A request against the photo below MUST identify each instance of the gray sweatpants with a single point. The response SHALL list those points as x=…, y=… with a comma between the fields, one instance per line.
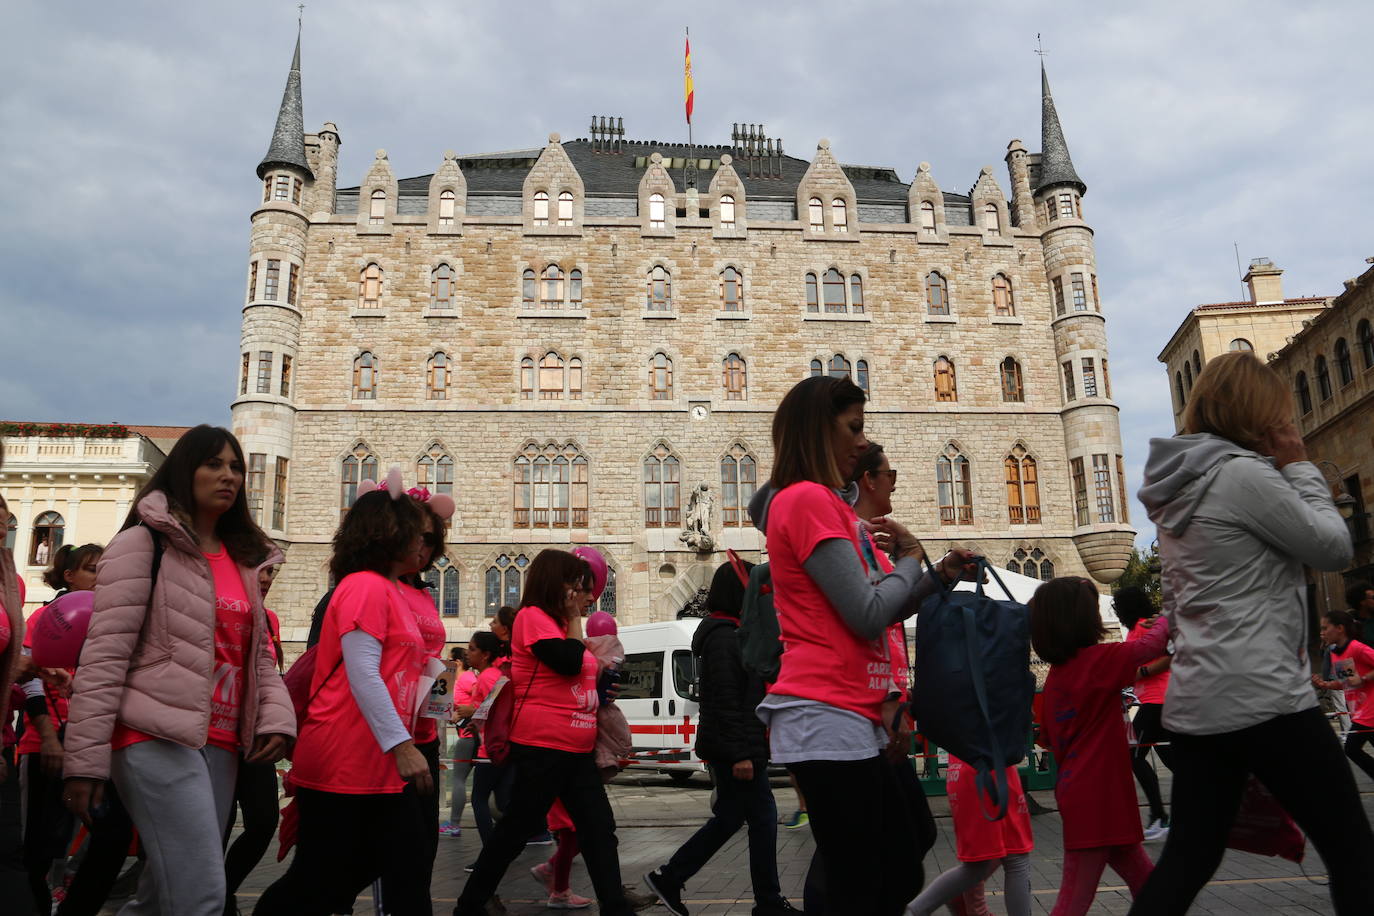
x=464, y=749
x=179, y=800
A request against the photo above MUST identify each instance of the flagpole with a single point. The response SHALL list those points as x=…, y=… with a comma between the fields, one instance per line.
x=690, y=173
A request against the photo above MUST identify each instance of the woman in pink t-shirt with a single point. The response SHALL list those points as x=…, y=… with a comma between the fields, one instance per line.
x=1352, y=663
x=1138, y=615
x=553, y=733
x=355, y=761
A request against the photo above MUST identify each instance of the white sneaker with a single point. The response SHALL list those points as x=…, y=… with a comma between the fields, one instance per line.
x=1157, y=830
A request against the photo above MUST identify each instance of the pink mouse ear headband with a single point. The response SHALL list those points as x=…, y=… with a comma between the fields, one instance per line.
x=441, y=504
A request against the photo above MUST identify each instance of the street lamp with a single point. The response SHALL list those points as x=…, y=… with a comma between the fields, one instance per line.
x=1345, y=503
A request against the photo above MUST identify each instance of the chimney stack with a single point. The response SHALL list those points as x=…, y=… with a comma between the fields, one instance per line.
x=1264, y=280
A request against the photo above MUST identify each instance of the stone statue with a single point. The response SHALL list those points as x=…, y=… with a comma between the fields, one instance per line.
x=696, y=533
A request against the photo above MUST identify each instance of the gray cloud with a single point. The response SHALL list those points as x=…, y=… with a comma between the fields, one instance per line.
x=130, y=133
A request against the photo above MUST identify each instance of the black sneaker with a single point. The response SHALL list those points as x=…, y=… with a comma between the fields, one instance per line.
x=668, y=892
x=780, y=907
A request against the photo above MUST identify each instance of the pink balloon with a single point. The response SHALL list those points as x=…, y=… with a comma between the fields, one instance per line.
x=60, y=630
x=600, y=624
x=598, y=564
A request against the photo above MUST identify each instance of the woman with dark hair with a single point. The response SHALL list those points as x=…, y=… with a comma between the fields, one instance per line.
x=835, y=606
x=502, y=623
x=485, y=651
x=553, y=736
x=1240, y=511
x=356, y=761
x=177, y=675
x=1138, y=614
x=1352, y=667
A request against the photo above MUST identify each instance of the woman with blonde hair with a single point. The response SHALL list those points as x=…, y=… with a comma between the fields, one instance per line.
x=1240, y=510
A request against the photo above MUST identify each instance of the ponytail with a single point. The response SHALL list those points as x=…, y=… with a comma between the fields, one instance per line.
x=66, y=559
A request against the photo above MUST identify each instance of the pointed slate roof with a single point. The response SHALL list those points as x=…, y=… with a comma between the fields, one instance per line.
x=1055, y=165
x=288, y=139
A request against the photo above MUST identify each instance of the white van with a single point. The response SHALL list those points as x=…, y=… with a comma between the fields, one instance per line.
x=658, y=689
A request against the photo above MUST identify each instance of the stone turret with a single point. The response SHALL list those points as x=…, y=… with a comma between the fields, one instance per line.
x=1092, y=430
x=264, y=410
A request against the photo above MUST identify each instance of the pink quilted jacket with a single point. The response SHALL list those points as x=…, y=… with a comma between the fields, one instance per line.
x=148, y=664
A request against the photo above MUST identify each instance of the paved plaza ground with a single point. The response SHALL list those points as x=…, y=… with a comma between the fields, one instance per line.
x=655, y=816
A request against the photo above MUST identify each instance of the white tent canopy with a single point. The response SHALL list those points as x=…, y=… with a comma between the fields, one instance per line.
x=1022, y=587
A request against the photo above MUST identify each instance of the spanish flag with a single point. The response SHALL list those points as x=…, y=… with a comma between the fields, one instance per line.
x=689, y=93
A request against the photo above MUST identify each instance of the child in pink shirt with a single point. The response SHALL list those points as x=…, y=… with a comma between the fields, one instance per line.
x=1352, y=662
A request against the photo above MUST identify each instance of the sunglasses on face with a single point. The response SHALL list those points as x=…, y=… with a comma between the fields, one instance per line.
x=433, y=540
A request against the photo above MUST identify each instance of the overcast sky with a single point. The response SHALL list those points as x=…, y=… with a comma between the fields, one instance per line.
x=129, y=134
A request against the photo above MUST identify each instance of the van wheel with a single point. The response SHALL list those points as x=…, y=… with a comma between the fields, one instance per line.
x=680, y=777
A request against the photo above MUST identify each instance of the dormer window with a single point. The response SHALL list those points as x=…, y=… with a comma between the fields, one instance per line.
x=927, y=218
x=541, y=208
x=376, y=214
x=839, y=215
x=727, y=212
x=447, y=199
x=816, y=214
x=657, y=220
x=565, y=207
x=992, y=220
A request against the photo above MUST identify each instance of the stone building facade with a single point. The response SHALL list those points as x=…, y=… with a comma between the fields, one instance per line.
x=571, y=338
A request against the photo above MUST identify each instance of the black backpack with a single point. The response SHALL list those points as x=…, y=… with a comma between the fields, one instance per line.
x=760, y=640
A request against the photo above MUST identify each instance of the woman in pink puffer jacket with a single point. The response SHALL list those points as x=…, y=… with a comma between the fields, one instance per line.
x=177, y=676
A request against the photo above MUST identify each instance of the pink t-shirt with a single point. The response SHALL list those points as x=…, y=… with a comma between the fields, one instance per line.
x=977, y=839
x=6, y=634
x=1149, y=689
x=31, y=742
x=233, y=629
x=557, y=712
x=462, y=695
x=432, y=632
x=275, y=625
x=1356, y=658
x=480, y=688
x=822, y=658
x=336, y=751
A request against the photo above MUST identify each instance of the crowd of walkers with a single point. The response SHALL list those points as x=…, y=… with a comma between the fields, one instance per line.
x=175, y=721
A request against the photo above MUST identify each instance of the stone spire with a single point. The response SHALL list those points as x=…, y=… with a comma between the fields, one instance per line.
x=288, y=139
x=1055, y=165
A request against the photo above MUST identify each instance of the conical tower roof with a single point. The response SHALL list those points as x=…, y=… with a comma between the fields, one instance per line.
x=1055, y=165
x=288, y=139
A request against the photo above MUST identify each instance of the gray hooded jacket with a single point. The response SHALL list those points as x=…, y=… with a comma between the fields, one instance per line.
x=1234, y=535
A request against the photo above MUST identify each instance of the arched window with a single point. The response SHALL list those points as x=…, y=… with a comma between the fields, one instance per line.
x=813, y=296
x=839, y=215
x=504, y=581
x=357, y=466
x=1197, y=363
x=816, y=214
x=727, y=212
x=817, y=368
x=446, y=587
x=731, y=290
x=1031, y=563
x=551, y=293
x=1345, y=371
x=927, y=218
x=657, y=214
x=937, y=294
x=436, y=376
x=1240, y=343
x=1179, y=396
x=1365, y=335
x=861, y=375
x=376, y=214
x=954, y=487
x=541, y=208
x=575, y=289
x=441, y=287
x=1012, y=389
x=565, y=208
x=1003, y=305
x=1304, y=394
x=738, y=478
x=834, y=291
x=736, y=377
x=527, y=378
x=48, y=529
x=856, y=294
x=551, y=377
x=529, y=288
x=370, y=287
x=365, y=377
x=992, y=220
x=551, y=487
x=574, y=379
x=447, y=199
x=946, y=386
x=1188, y=376
x=839, y=367
x=607, y=600
x=662, y=489
x=1323, y=374
x=434, y=470
x=660, y=298
x=661, y=377
x=1023, y=488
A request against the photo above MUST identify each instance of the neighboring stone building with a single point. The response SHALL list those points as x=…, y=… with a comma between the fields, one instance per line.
x=572, y=338
x=1264, y=323
x=1330, y=364
x=72, y=484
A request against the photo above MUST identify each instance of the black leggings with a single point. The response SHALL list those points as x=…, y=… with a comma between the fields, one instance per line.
x=111, y=834
x=255, y=794
x=47, y=828
x=345, y=842
x=14, y=879
x=861, y=819
x=420, y=870
x=1149, y=730
x=1298, y=759
x=1354, y=747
